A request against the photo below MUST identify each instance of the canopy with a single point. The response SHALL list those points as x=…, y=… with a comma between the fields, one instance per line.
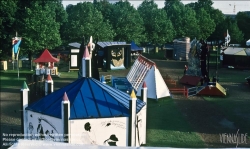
x=237, y=51
x=46, y=57
x=134, y=47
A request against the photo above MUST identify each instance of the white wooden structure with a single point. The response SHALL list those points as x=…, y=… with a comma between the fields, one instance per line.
x=146, y=70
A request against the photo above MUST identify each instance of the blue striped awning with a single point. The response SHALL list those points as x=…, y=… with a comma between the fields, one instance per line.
x=89, y=98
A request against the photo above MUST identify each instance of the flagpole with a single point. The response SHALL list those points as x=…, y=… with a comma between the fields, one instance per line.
x=17, y=64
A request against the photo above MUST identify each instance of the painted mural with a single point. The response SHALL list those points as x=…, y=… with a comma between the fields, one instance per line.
x=140, y=128
x=117, y=57
x=42, y=127
x=104, y=131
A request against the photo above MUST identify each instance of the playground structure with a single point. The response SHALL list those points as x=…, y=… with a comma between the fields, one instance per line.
x=45, y=64
x=197, y=75
x=86, y=111
x=145, y=70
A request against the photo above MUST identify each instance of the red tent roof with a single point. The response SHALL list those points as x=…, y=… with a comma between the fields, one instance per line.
x=46, y=57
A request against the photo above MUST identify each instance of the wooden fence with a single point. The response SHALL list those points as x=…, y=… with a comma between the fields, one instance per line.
x=174, y=87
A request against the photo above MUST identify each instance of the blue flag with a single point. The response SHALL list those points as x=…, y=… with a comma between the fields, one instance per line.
x=16, y=46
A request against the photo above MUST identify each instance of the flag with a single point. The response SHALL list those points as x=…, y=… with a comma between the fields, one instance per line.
x=227, y=38
x=15, y=42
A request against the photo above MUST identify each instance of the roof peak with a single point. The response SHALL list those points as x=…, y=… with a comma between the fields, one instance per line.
x=25, y=85
x=65, y=97
x=144, y=85
x=46, y=57
x=86, y=53
x=49, y=77
x=132, y=95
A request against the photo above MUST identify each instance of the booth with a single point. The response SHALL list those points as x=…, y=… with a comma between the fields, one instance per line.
x=45, y=64
x=113, y=55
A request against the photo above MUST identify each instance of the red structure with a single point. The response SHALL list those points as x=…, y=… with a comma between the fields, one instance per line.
x=45, y=64
x=190, y=80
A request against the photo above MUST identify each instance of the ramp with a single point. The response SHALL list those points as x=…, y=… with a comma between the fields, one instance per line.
x=213, y=90
x=194, y=90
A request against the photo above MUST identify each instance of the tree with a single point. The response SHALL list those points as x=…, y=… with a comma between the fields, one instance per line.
x=205, y=4
x=236, y=35
x=214, y=14
x=7, y=19
x=85, y=20
x=105, y=7
x=127, y=23
x=183, y=19
x=158, y=28
x=218, y=18
x=39, y=28
x=243, y=22
x=206, y=24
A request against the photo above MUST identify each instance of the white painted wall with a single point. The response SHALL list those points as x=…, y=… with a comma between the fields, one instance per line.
x=98, y=131
x=51, y=127
x=140, y=129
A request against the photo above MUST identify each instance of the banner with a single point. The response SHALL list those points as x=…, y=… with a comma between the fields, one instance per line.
x=15, y=50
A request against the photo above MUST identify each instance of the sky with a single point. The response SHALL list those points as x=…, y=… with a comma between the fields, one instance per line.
x=227, y=7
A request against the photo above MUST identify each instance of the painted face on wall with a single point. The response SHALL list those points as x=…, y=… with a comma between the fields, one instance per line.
x=117, y=58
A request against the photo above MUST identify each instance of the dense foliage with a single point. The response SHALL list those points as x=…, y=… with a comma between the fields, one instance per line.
x=47, y=24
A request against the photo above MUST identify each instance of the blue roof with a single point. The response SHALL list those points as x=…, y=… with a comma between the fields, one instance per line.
x=134, y=47
x=89, y=98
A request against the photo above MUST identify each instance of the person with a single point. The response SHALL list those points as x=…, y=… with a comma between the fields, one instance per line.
x=40, y=130
x=31, y=134
x=185, y=69
x=111, y=141
x=88, y=137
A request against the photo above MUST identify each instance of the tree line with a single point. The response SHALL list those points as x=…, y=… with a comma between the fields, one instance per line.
x=47, y=24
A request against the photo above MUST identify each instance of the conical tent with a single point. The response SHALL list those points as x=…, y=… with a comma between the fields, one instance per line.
x=146, y=70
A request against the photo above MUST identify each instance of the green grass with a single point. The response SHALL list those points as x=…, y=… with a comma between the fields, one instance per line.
x=10, y=78
x=236, y=111
x=166, y=126
x=232, y=77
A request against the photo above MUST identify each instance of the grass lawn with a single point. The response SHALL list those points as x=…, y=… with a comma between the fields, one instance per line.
x=235, y=110
x=10, y=78
x=235, y=105
x=166, y=126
